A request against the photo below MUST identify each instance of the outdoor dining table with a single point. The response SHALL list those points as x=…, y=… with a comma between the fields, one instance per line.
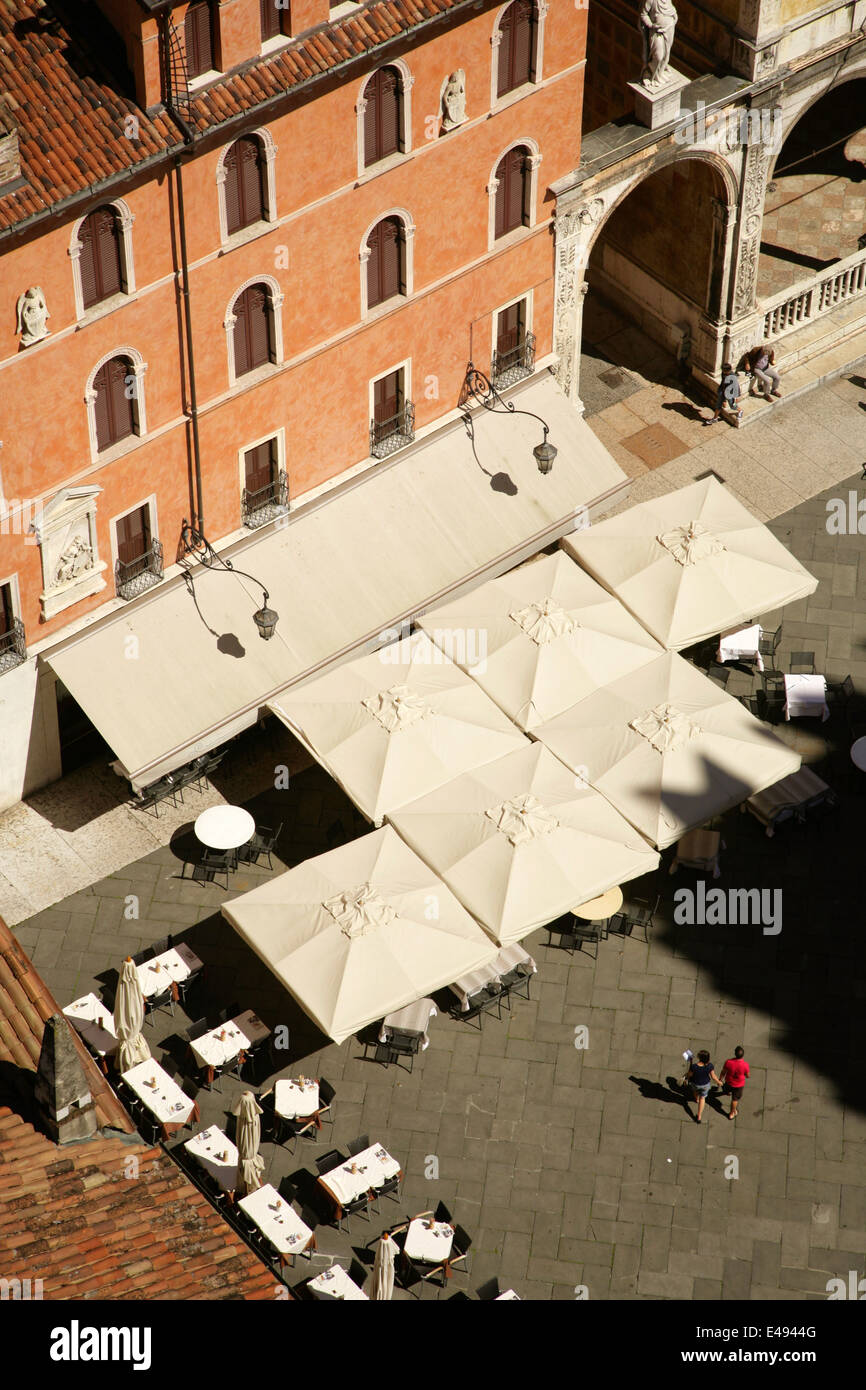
x=429, y=1243
x=335, y=1283
x=744, y=645
x=367, y=1170
x=858, y=753
x=224, y=827
x=95, y=1024
x=413, y=1019
x=227, y=1042
x=162, y=1096
x=278, y=1222
x=508, y=959
x=217, y=1155
x=600, y=908
x=169, y=969
x=806, y=696
x=296, y=1101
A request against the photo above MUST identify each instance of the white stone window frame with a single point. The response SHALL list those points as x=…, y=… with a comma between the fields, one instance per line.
x=139, y=408
x=150, y=503
x=498, y=102
x=408, y=264
x=528, y=297
x=66, y=508
x=126, y=219
x=279, y=435
x=533, y=161
x=269, y=153
x=404, y=366
x=407, y=82
x=275, y=305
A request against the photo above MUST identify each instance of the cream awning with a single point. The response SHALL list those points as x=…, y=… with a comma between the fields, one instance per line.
x=163, y=681
x=691, y=564
x=668, y=748
x=359, y=932
x=393, y=725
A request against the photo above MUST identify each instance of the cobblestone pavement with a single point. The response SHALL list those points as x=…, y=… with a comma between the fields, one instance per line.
x=578, y=1166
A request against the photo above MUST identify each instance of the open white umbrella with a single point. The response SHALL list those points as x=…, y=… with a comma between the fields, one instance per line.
x=359, y=932
x=383, y=1269
x=540, y=637
x=668, y=748
x=129, y=1018
x=248, y=1136
x=395, y=724
x=691, y=564
x=522, y=840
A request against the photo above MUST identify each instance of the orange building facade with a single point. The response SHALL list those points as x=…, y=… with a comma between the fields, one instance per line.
x=254, y=325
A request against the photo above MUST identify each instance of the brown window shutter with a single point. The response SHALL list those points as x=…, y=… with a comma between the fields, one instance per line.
x=198, y=39
x=506, y=45
x=392, y=278
x=259, y=466
x=88, y=263
x=389, y=111
x=511, y=195
x=101, y=409
x=133, y=536
x=374, y=267
x=100, y=266
x=232, y=191
x=241, y=340
x=115, y=418
x=517, y=47
x=387, y=397
x=271, y=19
x=252, y=194
x=252, y=334
x=510, y=328
x=372, y=152
x=7, y=617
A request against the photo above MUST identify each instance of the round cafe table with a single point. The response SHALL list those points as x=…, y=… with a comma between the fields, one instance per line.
x=597, y=909
x=858, y=754
x=225, y=827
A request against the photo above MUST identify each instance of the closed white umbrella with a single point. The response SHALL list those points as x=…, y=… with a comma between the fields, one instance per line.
x=359, y=932
x=540, y=637
x=247, y=1139
x=129, y=1018
x=668, y=748
x=522, y=840
x=393, y=725
x=383, y=1269
x=691, y=564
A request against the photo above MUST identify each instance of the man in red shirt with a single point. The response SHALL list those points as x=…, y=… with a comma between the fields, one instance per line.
x=734, y=1074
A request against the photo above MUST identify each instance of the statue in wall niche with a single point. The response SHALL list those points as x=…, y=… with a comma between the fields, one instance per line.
x=32, y=315
x=657, y=22
x=73, y=561
x=454, y=100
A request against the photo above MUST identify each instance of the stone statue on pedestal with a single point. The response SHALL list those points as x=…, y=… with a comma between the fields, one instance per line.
x=454, y=100
x=657, y=22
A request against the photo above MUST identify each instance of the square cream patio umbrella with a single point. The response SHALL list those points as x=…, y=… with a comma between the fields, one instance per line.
x=668, y=748
x=522, y=840
x=691, y=564
x=359, y=932
x=395, y=724
x=540, y=637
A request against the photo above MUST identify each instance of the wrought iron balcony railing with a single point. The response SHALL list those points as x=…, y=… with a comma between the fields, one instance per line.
x=513, y=365
x=265, y=503
x=13, y=646
x=387, y=436
x=132, y=577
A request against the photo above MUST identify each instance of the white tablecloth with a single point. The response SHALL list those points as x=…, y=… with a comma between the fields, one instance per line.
x=744, y=645
x=165, y=1101
x=508, y=958
x=210, y=1050
x=276, y=1220
x=413, y=1019
x=431, y=1247
x=92, y=1020
x=207, y=1148
x=295, y=1103
x=806, y=695
x=374, y=1167
x=176, y=964
x=224, y=827
x=335, y=1283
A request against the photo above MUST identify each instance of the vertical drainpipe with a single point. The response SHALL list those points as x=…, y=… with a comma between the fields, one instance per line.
x=189, y=137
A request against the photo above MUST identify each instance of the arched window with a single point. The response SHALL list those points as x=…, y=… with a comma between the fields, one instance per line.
x=518, y=47
x=244, y=184
x=383, y=116
x=386, y=266
x=100, y=261
x=198, y=39
x=116, y=385
x=253, y=331
x=512, y=193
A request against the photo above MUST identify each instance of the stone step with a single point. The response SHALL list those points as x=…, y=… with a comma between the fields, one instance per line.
x=833, y=354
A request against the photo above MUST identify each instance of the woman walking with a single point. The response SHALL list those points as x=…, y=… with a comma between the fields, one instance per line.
x=701, y=1077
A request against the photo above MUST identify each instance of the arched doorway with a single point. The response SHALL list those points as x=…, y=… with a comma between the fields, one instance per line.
x=655, y=271
x=815, y=209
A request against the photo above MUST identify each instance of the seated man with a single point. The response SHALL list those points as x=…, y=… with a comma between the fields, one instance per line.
x=764, y=375
x=727, y=397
